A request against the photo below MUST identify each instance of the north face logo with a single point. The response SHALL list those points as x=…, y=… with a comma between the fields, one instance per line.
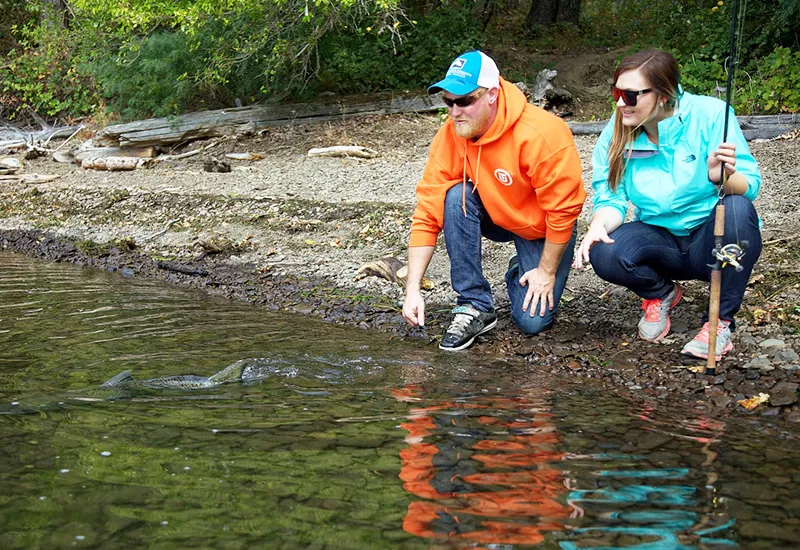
x=503, y=177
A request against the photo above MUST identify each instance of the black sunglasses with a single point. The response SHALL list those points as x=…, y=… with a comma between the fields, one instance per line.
x=464, y=100
x=629, y=97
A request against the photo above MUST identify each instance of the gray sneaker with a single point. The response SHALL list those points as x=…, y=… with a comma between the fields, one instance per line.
x=655, y=323
x=467, y=324
x=698, y=346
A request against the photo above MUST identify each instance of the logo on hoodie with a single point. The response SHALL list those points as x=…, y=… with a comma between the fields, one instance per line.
x=503, y=177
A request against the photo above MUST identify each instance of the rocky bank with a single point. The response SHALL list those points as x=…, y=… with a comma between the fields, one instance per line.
x=290, y=232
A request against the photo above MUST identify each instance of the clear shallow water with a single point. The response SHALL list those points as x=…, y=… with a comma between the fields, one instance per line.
x=354, y=440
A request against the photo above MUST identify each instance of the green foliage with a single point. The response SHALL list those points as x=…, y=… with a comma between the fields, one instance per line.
x=164, y=57
x=155, y=81
x=44, y=73
x=15, y=14
x=363, y=60
x=775, y=86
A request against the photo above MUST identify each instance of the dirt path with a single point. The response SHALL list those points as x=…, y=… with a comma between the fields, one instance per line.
x=290, y=232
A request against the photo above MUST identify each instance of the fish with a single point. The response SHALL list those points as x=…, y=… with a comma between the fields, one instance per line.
x=231, y=373
x=244, y=370
x=124, y=385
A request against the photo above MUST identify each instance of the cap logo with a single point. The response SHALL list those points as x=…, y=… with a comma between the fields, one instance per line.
x=458, y=63
x=503, y=177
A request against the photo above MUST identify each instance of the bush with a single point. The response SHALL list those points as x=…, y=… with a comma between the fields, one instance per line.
x=46, y=75
x=775, y=85
x=154, y=80
x=361, y=60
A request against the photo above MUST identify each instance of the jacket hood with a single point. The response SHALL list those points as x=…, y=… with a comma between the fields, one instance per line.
x=511, y=103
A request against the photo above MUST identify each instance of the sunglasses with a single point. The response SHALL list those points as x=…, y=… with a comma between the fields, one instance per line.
x=629, y=97
x=464, y=100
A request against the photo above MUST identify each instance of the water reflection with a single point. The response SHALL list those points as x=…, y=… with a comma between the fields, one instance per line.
x=483, y=468
x=343, y=438
x=497, y=470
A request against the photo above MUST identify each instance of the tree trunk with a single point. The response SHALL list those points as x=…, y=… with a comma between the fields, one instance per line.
x=542, y=12
x=547, y=12
x=569, y=11
x=55, y=14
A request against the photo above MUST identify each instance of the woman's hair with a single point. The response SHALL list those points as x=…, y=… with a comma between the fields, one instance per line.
x=661, y=72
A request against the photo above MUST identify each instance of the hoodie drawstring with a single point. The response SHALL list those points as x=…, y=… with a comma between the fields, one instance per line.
x=464, y=177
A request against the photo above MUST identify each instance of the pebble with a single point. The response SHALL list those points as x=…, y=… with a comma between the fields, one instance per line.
x=760, y=363
x=783, y=393
x=772, y=343
x=787, y=355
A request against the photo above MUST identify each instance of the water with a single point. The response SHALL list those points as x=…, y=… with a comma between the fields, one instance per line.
x=353, y=440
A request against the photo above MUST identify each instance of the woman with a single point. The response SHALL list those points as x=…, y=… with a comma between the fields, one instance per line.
x=662, y=151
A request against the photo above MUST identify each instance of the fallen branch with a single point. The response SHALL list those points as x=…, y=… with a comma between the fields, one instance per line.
x=72, y=135
x=30, y=178
x=782, y=239
x=170, y=223
x=187, y=154
x=10, y=165
x=12, y=145
x=343, y=151
x=177, y=268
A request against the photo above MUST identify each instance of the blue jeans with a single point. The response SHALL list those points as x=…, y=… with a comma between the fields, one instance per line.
x=647, y=259
x=462, y=236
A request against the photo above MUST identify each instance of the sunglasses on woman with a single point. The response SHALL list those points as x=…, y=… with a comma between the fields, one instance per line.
x=464, y=100
x=629, y=97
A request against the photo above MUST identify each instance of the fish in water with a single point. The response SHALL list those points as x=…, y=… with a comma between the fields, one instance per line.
x=231, y=373
x=124, y=385
x=244, y=370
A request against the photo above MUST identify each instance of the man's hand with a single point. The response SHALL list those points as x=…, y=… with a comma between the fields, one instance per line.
x=596, y=234
x=540, y=290
x=414, y=309
x=726, y=152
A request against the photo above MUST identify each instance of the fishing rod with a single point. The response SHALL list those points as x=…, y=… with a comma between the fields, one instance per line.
x=729, y=254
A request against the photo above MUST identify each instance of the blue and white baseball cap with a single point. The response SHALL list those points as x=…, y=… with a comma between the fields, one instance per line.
x=467, y=73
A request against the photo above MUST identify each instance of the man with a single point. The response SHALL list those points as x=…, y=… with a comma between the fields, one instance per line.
x=503, y=169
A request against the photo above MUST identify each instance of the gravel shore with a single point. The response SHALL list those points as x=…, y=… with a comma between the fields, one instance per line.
x=291, y=232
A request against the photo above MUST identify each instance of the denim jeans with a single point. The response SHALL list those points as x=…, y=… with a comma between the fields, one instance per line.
x=462, y=236
x=647, y=259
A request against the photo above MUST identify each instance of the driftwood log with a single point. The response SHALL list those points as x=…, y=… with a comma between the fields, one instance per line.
x=242, y=120
x=10, y=165
x=30, y=178
x=343, y=151
x=113, y=164
x=104, y=152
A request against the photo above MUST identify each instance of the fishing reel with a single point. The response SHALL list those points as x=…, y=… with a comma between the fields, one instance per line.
x=730, y=254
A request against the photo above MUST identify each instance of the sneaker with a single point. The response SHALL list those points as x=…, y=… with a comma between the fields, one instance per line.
x=467, y=324
x=513, y=262
x=655, y=323
x=698, y=346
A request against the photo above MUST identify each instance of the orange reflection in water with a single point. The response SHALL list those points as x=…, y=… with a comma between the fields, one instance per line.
x=484, y=467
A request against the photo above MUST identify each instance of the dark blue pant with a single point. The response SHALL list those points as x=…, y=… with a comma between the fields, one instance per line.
x=647, y=259
x=462, y=235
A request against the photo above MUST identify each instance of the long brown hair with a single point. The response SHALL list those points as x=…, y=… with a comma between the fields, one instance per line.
x=661, y=72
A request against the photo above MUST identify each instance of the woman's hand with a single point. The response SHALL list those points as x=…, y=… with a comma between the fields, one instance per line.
x=726, y=152
x=597, y=233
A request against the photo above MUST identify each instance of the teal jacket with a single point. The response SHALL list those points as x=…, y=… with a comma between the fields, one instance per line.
x=667, y=184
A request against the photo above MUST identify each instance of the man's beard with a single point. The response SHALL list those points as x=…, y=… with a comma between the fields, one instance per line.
x=473, y=126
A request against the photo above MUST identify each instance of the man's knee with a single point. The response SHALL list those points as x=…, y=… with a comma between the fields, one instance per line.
x=535, y=324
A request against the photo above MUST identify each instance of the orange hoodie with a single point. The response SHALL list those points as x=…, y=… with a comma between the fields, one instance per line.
x=525, y=168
